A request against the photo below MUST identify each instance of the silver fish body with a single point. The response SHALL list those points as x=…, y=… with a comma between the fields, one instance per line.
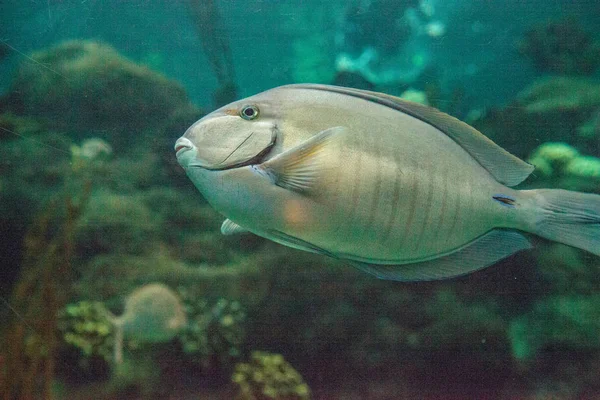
x=397, y=189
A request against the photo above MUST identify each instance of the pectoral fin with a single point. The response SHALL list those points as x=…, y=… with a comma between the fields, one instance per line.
x=231, y=228
x=299, y=168
x=484, y=251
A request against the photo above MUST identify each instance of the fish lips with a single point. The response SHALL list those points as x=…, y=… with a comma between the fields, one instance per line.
x=224, y=151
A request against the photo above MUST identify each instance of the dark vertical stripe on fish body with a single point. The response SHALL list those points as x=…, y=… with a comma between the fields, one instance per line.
x=395, y=202
x=355, y=193
x=457, y=207
x=412, y=206
x=429, y=173
x=335, y=190
x=469, y=202
x=373, y=207
x=336, y=186
x=440, y=222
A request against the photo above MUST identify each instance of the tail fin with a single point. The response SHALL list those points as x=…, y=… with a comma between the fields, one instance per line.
x=571, y=218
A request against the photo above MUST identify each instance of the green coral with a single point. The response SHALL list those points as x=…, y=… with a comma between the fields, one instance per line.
x=89, y=85
x=584, y=167
x=269, y=376
x=85, y=326
x=553, y=156
x=560, y=160
x=560, y=94
x=215, y=333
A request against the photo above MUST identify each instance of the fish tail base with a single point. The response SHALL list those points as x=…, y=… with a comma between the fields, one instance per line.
x=567, y=217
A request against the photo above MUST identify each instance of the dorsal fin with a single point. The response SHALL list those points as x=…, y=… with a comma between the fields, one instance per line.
x=505, y=167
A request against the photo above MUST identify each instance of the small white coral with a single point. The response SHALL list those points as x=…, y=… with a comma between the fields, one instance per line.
x=95, y=148
x=416, y=96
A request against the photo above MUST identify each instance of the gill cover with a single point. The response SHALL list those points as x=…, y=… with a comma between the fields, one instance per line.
x=222, y=142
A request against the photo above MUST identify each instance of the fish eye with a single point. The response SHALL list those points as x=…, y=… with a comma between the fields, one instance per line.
x=249, y=112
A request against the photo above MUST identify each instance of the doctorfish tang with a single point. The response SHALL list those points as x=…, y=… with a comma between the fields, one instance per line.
x=397, y=189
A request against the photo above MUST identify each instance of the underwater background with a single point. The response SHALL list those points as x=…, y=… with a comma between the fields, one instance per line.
x=116, y=283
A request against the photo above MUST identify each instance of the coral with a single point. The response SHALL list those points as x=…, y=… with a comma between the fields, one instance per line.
x=33, y=171
x=114, y=223
x=584, y=167
x=415, y=96
x=153, y=314
x=566, y=166
x=85, y=326
x=215, y=335
x=560, y=94
x=552, y=156
x=552, y=108
x=561, y=47
x=90, y=157
x=88, y=85
x=269, y=376
x=92, y=149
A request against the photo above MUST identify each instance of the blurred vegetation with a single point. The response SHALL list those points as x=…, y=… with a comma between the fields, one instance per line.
x=524, y=320
x=30, y=339
x=215, y=336
x=561, y=47
x=269, y=377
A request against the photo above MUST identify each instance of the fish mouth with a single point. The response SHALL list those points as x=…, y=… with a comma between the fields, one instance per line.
x=182, y=145
x=252, y=148
x=254, y=160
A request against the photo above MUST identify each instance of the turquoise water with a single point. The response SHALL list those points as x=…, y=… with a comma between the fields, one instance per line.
x=106, y=242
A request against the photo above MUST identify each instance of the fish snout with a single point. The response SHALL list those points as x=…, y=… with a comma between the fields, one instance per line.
x=182, y=151
x=183, y=144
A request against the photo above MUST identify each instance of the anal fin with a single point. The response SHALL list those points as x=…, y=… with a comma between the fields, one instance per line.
x=482, y=252
x=231, y=228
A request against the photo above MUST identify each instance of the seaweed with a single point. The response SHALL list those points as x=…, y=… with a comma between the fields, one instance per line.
x=31, y=336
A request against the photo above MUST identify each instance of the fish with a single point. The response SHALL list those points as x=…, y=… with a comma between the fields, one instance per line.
x=396, y=189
